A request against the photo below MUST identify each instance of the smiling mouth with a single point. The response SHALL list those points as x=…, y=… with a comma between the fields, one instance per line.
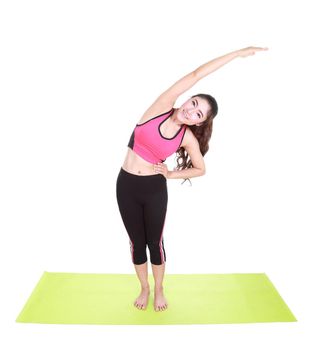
x=185, y=115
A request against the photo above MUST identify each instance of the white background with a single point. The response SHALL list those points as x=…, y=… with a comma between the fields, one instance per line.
x=76, y=76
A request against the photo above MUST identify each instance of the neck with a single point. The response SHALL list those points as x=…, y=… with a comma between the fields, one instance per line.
x=174, y=118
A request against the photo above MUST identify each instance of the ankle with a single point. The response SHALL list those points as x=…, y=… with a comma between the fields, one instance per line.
x=145, y=286
x=158, y=288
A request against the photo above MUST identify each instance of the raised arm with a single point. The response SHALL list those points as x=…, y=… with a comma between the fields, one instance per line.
x=170, y=95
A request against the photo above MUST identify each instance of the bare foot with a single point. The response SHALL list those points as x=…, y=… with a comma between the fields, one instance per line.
x=160, y=302
x=142, y=300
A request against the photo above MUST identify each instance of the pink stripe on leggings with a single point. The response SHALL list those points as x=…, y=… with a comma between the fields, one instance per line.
x=162, y=254
x=132, y=250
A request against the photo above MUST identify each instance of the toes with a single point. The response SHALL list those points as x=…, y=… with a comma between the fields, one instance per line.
x=139, y=306
x=161, y=308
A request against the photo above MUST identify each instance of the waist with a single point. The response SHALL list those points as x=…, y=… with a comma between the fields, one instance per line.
x=136, y=165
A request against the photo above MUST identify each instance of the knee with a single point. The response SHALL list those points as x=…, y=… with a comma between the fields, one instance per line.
x=138, y=254
x=157, y=253
x=139, y=260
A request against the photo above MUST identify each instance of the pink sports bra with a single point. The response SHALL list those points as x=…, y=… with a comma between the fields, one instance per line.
x=148, y=142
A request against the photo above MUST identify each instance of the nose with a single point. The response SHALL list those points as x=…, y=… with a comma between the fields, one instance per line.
x=192, y=112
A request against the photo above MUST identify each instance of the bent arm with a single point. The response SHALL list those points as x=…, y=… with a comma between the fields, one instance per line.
x=185, y=173
x=198, y=164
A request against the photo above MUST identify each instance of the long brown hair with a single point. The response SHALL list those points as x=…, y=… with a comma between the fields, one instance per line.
x=202, y=132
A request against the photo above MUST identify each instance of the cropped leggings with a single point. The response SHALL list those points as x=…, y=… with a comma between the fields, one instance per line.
x=142, y=201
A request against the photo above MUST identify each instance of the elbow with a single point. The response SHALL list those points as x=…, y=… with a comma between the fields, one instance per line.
x=196, y=74
x=202, y=172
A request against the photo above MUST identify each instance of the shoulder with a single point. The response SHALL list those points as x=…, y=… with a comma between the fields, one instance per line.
x=154, y=111
x=189, y=140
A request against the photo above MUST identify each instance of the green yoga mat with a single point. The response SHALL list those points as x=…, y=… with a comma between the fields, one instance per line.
x=82, y=298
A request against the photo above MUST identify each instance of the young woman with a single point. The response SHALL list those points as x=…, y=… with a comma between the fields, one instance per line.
x=141, y=186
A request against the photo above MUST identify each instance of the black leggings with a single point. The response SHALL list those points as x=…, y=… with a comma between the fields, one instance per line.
x=142, y=201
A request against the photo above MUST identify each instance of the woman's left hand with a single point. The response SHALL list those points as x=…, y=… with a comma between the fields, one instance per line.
x=161, y=168
x=250, y=51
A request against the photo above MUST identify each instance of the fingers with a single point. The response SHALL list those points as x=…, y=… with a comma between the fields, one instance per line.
x=259, y=48
x=158, y=167
x=251, y=50
x=162, y=169
x=262, y=49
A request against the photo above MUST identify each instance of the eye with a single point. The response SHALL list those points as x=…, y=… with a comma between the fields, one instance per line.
x=199, y=115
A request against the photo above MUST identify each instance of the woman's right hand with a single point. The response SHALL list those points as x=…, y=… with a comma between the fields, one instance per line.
x=248, y=51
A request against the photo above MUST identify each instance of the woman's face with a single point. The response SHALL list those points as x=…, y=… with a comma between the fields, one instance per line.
x=193, y=111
